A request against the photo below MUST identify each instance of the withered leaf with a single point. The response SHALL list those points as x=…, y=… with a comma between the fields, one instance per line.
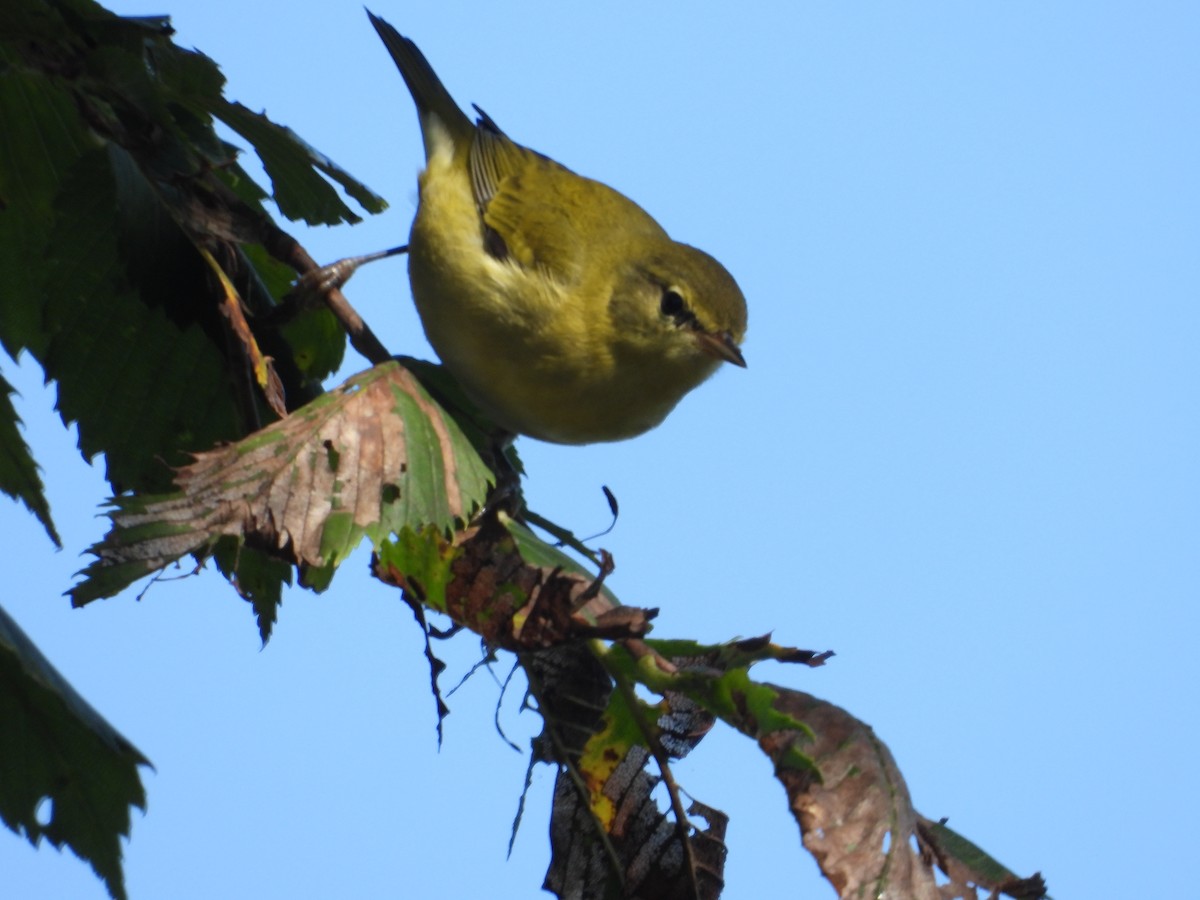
x=487, y=578
x=609, y=836
x=366, y=459
x=854, y=810
x=855, y=817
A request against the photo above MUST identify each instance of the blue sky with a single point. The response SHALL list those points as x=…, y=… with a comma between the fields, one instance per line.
x=962, y=456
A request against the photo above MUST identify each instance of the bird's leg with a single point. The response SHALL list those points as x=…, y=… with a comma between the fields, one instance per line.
x=322, y=286
x=326, y=278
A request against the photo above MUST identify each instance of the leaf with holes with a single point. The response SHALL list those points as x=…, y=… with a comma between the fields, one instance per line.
x=853, y=808
x=844, y=787
x=609, y=835
x=368, y=459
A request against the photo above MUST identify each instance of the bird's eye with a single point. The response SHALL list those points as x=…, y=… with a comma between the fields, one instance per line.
x=672, y=304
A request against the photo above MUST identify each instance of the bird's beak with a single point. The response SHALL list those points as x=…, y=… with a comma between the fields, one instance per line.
x=722, y=346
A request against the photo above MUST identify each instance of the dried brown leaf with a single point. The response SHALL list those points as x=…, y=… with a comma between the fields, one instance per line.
x=372, y=457
x=490, y=587
x=609, y=835
x=345, y=456
x=855, y=817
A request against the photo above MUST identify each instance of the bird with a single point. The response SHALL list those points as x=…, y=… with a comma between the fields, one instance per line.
x=563, y=309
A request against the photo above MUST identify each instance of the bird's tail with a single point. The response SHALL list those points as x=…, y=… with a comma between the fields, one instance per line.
x=433, y=100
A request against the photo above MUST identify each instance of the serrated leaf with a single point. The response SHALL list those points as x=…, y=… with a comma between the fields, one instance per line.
x=750, y=706
x=143, y=380
x=368, y=459
x=717, y=676
x=258, y=577
x=18, y=472
x=110, y=176
x=446, y=390
x=299, y=191
x=41, y=138
x=367, y=199
x=188, y=74
x=54, y=745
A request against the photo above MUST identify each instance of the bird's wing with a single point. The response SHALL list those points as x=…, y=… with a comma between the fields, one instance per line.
x=528, y=204
x=539, y=214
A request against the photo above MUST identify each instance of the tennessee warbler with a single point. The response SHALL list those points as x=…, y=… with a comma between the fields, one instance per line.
x=563, y=308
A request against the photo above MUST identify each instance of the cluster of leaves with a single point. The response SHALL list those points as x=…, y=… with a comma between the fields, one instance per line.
x=139, y=267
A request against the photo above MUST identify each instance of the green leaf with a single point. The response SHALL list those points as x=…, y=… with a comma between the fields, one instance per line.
x=126, y=293
x=748, y=705
x=258, y=577
x=111, y=175
x=424, y=558
x=54, y=745
x=315, y=341
x=317, y=344
x=367, y=199
x=41, y=138
x=18, y=472
x=717, y=677
x=291, y=164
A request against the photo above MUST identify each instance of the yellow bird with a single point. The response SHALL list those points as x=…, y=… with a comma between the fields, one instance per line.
x=561, y=306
